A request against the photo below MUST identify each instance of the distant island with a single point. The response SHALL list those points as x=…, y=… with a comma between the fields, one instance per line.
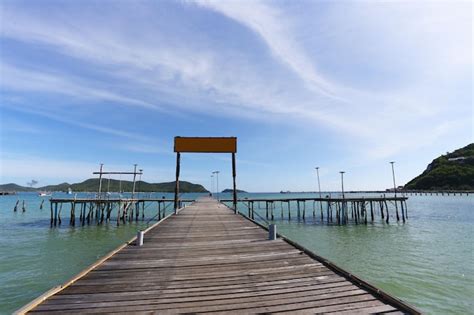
x=452, y=171
x=114, y=185
x=228, y=190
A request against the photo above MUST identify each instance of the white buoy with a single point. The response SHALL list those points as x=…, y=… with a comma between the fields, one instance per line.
x=272, y=232
x=140, y=235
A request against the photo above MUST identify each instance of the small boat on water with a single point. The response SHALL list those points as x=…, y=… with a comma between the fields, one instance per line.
x=44, y=194
x=69, y=191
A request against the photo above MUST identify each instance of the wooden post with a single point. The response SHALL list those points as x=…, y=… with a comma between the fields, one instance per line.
x=289, y=211
x=83, y=212
x=273, y=208
x=100, y=181
x=298, y=207
x=355, y=206
x=51, y=206
x=321, y=208
x=118, y=213
x=159, y=211
x=55, y=213
x=365, y=212
x=327, y=211
x=371, y=212
x=176, y=189
x=330, y=213
x=403, y=211
x=406, y=210
x=59, y=213
x=109, y=209
x=266, y=209
x=234, y=173
x=396, y=210
x=72, y=219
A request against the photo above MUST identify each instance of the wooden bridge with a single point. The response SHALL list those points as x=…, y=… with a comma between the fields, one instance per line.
x=208, y=259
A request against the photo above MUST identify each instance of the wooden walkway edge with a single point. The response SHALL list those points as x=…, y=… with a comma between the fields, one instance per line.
x=206, y=259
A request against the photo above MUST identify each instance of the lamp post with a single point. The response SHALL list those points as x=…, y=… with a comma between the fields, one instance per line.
x=212, y=184
x=217, y=183
x=319, y=189
x=395, y=191
x=344, y=212
x=134, y=177
x=342, y=183
x=393, y=176
x=139, y=180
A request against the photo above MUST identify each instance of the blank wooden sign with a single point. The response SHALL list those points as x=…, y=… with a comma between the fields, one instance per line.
x=205, y=144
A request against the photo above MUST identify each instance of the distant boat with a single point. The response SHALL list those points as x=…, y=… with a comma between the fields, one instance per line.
x=44, y=194
x=285, y=192
x=69, y=191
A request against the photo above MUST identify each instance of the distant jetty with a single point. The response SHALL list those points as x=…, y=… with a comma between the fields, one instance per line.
x=5, y=193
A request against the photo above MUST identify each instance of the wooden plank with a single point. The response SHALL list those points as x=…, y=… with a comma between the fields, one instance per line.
x=146, y=294
x=220, y=301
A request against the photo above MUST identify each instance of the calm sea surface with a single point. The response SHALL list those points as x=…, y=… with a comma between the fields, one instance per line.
x=428, y=261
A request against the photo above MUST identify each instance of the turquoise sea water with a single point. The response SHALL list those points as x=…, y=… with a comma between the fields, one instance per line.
x=428, y=261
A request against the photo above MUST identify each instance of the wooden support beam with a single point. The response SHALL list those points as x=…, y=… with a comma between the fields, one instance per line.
x=176, y=189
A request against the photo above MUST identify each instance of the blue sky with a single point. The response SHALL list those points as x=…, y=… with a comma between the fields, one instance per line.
x=343, y=85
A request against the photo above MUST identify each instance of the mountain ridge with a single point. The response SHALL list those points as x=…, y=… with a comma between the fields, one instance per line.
x=92, y=184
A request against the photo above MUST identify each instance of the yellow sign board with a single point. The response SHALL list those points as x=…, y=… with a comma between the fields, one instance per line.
x=205, y=144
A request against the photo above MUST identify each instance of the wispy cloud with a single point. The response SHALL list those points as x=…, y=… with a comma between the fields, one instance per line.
x=61, y=83
x=109, y=131
x=271, y=25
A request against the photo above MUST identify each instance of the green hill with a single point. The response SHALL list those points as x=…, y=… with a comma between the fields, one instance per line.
x=92, y=184
x=452, y=171
x=14, y=187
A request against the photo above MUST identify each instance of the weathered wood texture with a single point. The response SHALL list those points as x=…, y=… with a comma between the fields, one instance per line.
x=208, y=259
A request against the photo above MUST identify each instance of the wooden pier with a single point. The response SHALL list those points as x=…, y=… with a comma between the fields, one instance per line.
x=101, y=210
x=208, y=259
x=330, y=210
x=333, y=210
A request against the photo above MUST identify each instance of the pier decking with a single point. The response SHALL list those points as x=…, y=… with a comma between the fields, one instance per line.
x=208, y=259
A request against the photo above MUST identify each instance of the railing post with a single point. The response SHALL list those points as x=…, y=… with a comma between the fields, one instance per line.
x=140, y=235
x=272, y=232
